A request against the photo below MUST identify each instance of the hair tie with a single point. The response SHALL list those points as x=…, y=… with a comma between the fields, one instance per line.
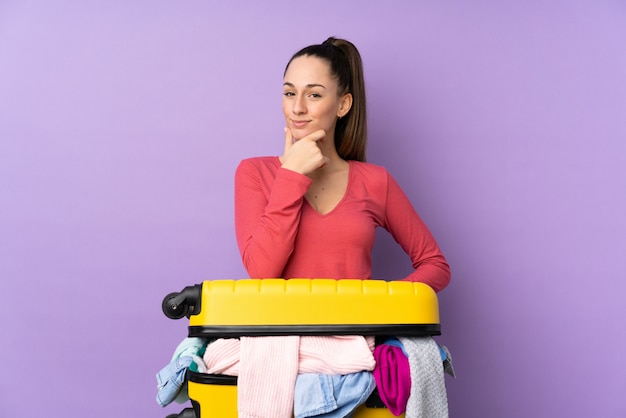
x=329, y=41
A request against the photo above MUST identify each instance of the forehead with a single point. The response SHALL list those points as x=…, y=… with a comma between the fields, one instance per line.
x=305, y=70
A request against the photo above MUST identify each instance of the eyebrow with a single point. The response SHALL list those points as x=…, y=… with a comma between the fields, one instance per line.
x=307, y=86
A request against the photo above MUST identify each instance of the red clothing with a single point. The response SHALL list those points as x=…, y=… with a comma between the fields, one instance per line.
x=280, y=235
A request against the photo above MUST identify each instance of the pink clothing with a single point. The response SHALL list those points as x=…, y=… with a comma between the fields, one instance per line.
x=280, y=235
x=337, y=354
x=268, y=366
x=267, y=377
x=393, y=377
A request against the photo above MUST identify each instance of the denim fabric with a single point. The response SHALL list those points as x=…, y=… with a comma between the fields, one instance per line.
x=197, y=365
x=331, y=396
x=190, y=346
x=171, y=379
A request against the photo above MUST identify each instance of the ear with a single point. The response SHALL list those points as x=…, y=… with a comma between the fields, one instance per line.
x=345, y=104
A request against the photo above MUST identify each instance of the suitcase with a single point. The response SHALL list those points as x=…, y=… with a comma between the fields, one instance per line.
x=253, y=307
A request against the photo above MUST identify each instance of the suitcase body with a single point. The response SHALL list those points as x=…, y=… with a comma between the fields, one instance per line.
x=251, y=307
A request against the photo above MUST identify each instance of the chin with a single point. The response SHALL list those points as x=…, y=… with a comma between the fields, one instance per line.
x=301, y=133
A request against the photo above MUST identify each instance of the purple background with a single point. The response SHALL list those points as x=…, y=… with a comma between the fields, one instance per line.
x=121, y=124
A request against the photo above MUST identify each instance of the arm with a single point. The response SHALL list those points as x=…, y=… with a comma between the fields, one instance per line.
x=408, y=229
x=267, y=214
x=267, y=207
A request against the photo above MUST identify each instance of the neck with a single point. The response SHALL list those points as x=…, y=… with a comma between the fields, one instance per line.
x=327, y=146
x=335, y=165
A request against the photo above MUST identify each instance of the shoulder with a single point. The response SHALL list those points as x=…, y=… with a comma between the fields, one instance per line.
x=376, y=178
x=370, y=179
x=368, y=168
x=371, y=173
x=268, y=162
x=261, y=165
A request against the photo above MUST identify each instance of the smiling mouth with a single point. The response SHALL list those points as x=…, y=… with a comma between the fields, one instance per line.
x=299, y=123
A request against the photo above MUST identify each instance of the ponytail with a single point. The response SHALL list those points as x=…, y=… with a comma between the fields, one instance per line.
x=346, y=66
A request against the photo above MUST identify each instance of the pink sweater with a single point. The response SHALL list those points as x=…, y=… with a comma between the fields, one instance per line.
x=280, y=235
x=268, y=366
x=336, y=354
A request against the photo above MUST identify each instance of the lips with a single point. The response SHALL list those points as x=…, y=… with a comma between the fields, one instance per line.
x=299, y=123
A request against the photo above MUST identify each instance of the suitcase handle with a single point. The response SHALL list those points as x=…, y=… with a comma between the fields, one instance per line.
x=183, y=303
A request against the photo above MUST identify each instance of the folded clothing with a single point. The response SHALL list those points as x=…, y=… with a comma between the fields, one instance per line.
x=268, y=366
x=336, y=354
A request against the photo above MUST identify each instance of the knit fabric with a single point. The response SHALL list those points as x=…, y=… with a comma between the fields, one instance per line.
x=267, y=377
x=280, y=234
x=336, y=354
x=393, y=377
x=268, y=366
x=428, y=398
x=222, y=356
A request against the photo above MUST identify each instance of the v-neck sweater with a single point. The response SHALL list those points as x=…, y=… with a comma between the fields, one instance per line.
x=280, y=235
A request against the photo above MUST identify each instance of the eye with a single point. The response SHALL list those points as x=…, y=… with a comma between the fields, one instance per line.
x=315, y=95
x=288, y=94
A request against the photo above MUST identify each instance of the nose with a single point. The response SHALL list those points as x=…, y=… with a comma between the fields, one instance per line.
x=299, y=106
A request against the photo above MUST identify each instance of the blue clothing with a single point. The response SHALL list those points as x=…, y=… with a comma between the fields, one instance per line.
x=171, y=382
x=331, y=396
x=394, y=342
x=190, y=346
x=171, y=379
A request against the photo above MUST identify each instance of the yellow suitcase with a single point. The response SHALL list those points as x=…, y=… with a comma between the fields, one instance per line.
x=252, y=307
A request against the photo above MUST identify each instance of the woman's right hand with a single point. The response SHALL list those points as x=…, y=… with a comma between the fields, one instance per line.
x=304, y=155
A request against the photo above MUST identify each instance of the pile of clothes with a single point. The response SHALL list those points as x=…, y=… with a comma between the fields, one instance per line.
x=317, y=376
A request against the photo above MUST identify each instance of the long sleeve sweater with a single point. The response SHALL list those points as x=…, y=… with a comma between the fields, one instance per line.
x=280, y=235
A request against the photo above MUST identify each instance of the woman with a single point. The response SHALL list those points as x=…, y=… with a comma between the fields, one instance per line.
x=312, y=212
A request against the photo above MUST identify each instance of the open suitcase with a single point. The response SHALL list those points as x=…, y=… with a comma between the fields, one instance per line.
x=252, y=307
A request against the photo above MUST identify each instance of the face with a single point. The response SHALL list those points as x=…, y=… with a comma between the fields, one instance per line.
x=311, y=98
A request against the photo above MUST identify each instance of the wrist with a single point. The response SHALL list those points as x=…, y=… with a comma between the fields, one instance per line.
x=290, y=167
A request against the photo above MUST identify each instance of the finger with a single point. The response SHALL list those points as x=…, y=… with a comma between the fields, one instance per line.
x=316, y=136
x=288, y=139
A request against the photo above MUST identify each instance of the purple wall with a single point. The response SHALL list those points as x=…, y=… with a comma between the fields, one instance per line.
x=121, y=125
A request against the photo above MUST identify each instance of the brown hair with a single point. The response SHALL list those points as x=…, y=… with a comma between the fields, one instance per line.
x=346, y=66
